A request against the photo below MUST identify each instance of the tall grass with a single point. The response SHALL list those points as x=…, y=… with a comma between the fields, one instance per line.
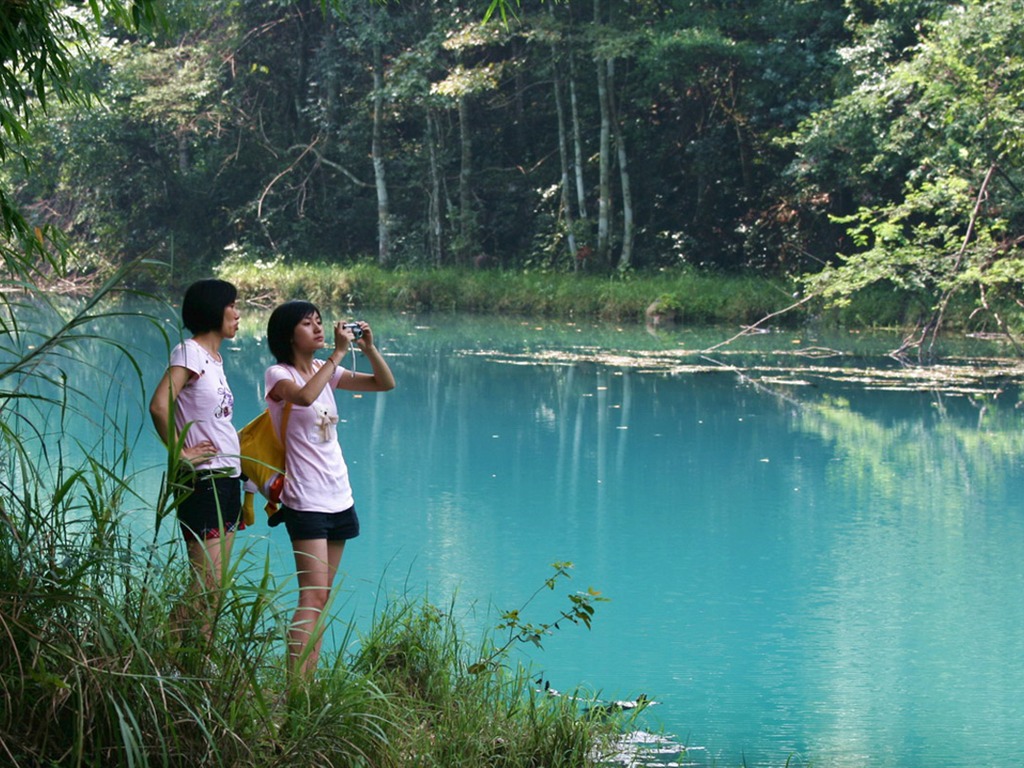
x=93, y=672
x=686, y=295
x=694, y=296
x=456, y=716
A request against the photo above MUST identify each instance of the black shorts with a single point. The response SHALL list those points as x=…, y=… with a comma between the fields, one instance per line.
x=211, y=504
x=333, y=526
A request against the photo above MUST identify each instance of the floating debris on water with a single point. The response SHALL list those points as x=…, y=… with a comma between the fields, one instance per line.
x=641, y=749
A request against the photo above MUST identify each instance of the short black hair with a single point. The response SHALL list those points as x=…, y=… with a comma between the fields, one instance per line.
x=202, y=309
x=281, y=327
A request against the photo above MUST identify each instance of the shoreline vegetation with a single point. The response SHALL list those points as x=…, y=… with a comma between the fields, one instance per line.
x=92, y=673
x=689, y=295
x=684, y=296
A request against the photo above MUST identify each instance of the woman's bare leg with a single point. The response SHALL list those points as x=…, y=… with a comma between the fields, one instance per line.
x=316, y=564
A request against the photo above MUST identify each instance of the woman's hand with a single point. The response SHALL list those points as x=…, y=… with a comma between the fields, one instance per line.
x=200, y=453
x=366, y=339
x=342, y=337
x=381, y=379
x=361, y=342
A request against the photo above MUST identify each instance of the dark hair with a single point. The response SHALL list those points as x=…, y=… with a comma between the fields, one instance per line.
x=202, y=309
x=281, y=327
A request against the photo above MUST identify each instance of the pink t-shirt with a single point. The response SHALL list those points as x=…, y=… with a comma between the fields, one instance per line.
x=316, y=470
x=207, y=404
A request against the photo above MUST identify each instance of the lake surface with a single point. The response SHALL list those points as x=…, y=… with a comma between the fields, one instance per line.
x=811, y=552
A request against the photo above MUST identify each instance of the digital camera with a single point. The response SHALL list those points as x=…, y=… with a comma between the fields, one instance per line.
x=357, y=330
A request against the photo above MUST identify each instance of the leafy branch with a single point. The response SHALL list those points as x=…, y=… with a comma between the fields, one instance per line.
x=580, y=611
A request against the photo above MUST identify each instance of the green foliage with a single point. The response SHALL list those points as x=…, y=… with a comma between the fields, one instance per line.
x=934, y=141
x=580, y=611
x=36, y=39
x=119, y=173
x=250, y=126
x=40, y=42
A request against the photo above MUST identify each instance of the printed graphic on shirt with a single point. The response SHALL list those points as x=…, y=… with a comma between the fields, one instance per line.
x=227, y=402
x=226, y=406
x=324, y=425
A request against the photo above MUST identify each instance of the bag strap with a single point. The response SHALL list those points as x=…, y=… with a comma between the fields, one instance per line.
x=285, y=413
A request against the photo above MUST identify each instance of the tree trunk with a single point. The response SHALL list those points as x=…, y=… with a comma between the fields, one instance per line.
x=184, y=163
x=467, y=236
x=328, y=50
x=563, y=152
x=435, y=224
x=577, y=139
x=604, y=155
x=383, y=211
x=628, y=227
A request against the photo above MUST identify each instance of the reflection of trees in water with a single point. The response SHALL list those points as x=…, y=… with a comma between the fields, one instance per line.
x=928, y=489
x=925, y=449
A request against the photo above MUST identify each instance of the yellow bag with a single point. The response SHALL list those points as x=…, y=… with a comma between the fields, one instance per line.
x=263, y=463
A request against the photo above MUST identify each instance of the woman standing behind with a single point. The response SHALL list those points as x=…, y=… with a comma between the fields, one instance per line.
x=195, y=389
x=317, y=504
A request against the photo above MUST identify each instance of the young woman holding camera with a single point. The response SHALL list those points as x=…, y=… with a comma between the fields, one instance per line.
x=317, y=504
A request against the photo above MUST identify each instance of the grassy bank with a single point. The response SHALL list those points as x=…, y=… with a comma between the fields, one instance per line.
x=92, y=672
x=690, y=296
x=687, y=296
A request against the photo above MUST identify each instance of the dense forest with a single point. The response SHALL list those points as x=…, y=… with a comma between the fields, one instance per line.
x=849, y=142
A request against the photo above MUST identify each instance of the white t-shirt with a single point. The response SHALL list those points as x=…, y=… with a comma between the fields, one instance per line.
x=206, y=403
x=315, y=468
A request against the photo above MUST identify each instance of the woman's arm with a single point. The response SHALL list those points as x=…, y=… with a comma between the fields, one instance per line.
x=306, y=394
x=380, y=379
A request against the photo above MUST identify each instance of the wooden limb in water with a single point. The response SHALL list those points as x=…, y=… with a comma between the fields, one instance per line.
x=750, y=328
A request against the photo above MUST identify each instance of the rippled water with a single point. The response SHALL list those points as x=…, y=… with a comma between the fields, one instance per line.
x=811, y=551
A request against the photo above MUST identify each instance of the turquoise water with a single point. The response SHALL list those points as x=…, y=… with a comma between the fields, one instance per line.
x=811, y=552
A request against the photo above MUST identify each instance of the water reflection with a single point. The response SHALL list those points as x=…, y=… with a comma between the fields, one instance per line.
x=930, y=510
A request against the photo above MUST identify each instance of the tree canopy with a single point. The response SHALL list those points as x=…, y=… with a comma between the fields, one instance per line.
x=927, y=146
x=851, y=142
x=41, y=49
